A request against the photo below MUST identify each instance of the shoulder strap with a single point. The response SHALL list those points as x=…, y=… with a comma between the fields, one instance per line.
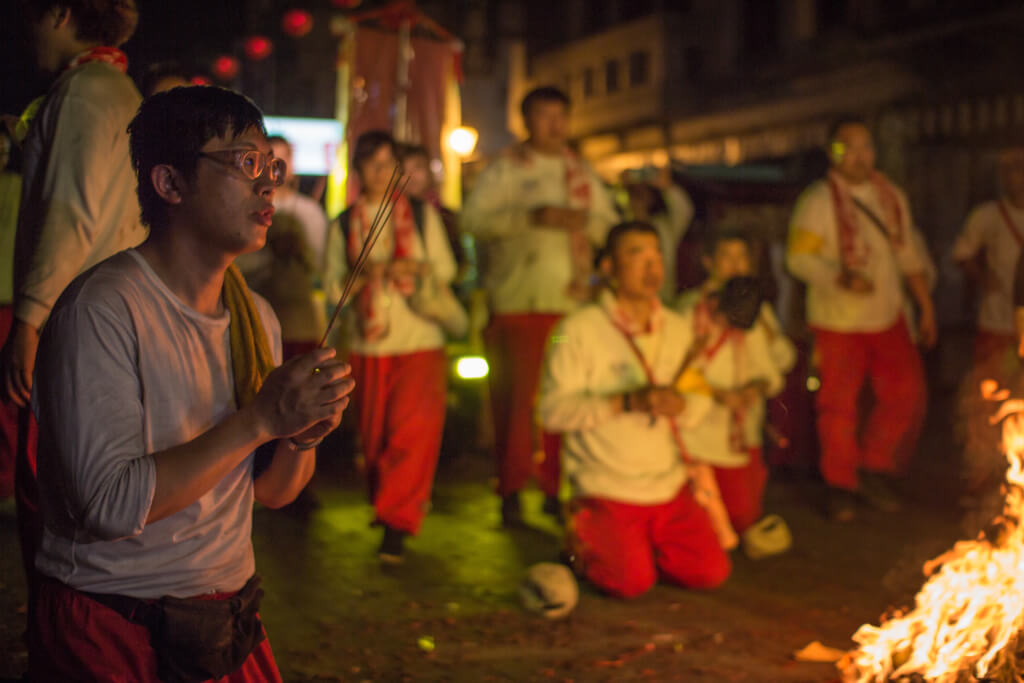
x=875, y=220
x=1010, y=224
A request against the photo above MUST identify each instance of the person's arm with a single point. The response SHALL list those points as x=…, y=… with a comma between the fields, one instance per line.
x=968, y=246
x=927, y=328
x=567, y=403
x=89, y=406
x=810, y=256
x=919, y=272
x=679, y=210
x=781, y=349
x=439, y=251
x=492, y=209
x=602, y=213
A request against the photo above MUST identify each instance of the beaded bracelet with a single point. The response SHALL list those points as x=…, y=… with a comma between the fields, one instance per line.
x=296, y=445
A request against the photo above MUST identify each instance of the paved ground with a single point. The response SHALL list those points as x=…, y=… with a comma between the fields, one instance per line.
x=334, y=614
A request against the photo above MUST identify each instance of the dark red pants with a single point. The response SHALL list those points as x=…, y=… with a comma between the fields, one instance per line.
x=622, y=548
x=8, y=421
x=890, y=361
x=400, y=402
x=742, y=490
x=26, y=496
x=74, y=638
x=515, y=346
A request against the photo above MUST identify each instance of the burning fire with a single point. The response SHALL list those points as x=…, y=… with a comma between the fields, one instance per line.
x=970, y=611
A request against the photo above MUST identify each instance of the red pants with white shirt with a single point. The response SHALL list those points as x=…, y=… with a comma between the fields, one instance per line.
x=742, y=490
x=515, y=345
x=74, y=638
x=622, y=548
x=890, y=361
x=400, y=402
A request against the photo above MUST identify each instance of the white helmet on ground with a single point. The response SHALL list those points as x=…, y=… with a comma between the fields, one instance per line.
x=549, y=589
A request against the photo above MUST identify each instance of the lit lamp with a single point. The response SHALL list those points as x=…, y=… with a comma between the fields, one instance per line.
x=462, y=140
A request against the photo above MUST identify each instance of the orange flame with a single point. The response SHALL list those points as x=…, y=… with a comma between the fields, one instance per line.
x=970, y=610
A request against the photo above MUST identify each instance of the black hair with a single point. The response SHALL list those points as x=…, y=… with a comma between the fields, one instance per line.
x=408, y=151
x=108, y=22
x=844, y=120
x=367, y=145
x=171, y=128
x=620, y=230
x=158, y=71
x=739, y=300
x=546, y=93
x=718, y=237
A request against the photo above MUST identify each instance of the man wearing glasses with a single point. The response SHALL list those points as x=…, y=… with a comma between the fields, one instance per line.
x=156, y=386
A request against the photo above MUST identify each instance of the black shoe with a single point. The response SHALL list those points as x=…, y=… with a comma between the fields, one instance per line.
x=842, y=505
x=877, y=491
x=392, y=546
x=553, y=506
x=511, y=511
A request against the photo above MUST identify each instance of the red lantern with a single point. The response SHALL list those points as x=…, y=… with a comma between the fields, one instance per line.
x=297, y=22
x=225, y=67
x=200, y=80
x=258, y=47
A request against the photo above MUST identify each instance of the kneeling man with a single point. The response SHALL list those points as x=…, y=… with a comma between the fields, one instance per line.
x=608, y=386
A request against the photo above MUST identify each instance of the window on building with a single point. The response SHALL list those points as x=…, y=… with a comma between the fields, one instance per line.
x=588, y=82
x=639, y=68
x=611, y=76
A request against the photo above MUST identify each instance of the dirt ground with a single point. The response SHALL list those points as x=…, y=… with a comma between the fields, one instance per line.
x=451, y=612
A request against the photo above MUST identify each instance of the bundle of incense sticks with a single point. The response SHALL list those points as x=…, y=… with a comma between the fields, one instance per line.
x=393, y=190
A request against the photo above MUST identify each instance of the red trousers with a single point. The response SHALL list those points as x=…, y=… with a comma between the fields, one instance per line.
x=400, y=401
x=621, y=548
x=891, y=363
x=8, y=421
x=742, y=490
x=74, y=638
x=26, y=496
x=988, y=344
x=515, y=346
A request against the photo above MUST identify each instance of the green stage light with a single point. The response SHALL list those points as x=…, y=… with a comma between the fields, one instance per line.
x=471, y=367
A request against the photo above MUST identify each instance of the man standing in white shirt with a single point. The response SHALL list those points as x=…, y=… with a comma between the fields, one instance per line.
x=607, y=387
x=155, y=387
x=310, y=214
x=536, y=213
x=852, y=241
x=988, y=250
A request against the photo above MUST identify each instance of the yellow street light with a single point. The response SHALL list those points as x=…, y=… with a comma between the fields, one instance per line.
x=462, y=140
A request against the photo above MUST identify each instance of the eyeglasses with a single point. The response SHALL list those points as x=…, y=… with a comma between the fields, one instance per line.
x=251, y=162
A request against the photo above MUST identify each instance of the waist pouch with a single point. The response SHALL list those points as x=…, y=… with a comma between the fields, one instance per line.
x=196, y=639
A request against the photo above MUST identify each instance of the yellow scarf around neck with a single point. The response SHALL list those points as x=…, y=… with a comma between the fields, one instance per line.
x=251, y=358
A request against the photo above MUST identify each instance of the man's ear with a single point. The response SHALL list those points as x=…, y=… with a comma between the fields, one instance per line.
x=606, y=266
x=167, y=182
x=61, y=16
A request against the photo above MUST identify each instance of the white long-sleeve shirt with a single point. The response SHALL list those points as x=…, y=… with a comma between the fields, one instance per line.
x=986, y=229
x=622, y=457
x=732, y=366
x=813, y=255
x=78, y=202
x=528, y=268
x=408, y=332
x=671, y=226
x=127, y=370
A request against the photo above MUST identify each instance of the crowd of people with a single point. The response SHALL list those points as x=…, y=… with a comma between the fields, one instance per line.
x=167, y=304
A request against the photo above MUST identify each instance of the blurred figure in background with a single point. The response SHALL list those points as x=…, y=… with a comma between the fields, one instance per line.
x=422, y=188
x=988, y=249
x=307, y=211
x=536, y=214
x=163, y=76
x=656, y=199
x=852, y=240
x=396, y=351
x=78, y=202
x=608, y=386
